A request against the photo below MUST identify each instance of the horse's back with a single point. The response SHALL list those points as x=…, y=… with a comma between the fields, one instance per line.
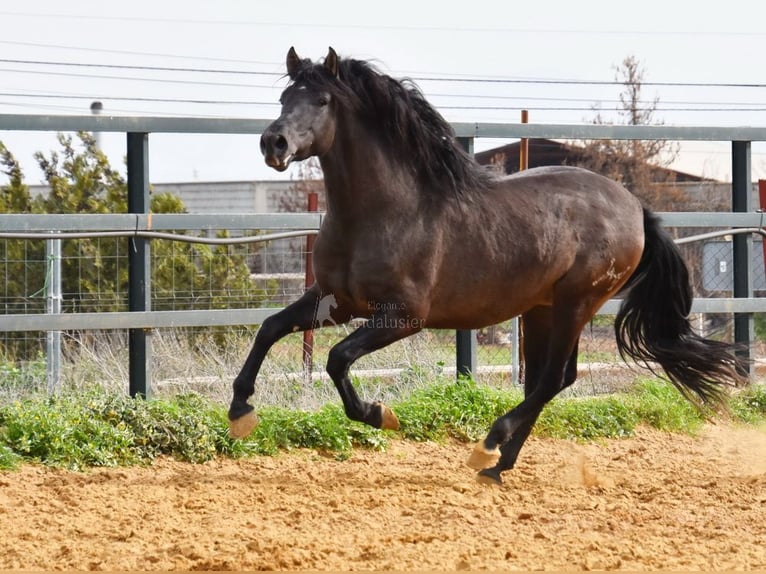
x=570, y=181
x=571, y=198
x=532, y=231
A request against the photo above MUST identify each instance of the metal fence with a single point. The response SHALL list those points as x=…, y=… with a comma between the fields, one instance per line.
x=140, y=323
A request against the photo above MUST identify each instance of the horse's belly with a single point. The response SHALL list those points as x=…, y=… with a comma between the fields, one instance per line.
x=487, y=303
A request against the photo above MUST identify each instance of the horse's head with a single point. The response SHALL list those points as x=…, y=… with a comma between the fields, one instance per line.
x=306, y=125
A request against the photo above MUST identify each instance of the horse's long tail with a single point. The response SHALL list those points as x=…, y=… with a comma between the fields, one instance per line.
x=652, y=325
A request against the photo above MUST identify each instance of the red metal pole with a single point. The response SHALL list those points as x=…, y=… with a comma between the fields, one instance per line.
x=308, y=336
x=524, y=146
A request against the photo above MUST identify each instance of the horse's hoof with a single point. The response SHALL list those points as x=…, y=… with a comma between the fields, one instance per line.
x=388, y=420
x=243, y=426
x=489, y=476
x=482, y=457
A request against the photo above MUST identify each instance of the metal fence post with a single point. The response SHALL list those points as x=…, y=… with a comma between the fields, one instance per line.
x=742, y=201
x=53, y=306
x=139, y=271
x=465, y=341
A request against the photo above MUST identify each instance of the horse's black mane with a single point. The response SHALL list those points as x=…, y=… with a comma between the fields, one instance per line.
x=412, y=128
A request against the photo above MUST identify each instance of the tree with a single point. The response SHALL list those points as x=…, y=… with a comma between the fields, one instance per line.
x=14, y=197
x=94, y=271
x=23, y=263
x=639, y=165
x=309, y=180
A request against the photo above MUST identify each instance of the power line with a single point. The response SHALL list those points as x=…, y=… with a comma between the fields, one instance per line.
x=586, y=100
x=139, y=79
x=584, y=109
x=139, y=99
x=143, y=68
x=457, y=79
x=132, y=112
x=585, y=82
x=762, y=106
x=643, y=104
x=136, y=53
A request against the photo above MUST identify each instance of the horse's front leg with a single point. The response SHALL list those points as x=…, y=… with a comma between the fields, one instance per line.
x=377, y=332
x=298, y=316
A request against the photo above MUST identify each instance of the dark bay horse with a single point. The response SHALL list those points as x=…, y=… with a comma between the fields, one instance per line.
x=418, y=235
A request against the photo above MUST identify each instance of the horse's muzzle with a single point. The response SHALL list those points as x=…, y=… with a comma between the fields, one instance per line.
x=276, y=149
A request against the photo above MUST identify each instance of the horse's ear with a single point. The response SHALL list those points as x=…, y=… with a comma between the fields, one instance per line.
x=331, y=62
x=293, y=63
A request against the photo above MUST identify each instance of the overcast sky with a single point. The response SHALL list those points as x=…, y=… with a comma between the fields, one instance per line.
x=226, y=59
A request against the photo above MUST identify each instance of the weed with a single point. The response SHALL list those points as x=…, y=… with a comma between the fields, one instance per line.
x=9, y=460
x=660, y=405
x=749, y=406
x=462, y=410
x=60, y=431
x=587, y=419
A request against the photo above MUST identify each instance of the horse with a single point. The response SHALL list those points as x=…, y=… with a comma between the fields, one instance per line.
x=417, y=235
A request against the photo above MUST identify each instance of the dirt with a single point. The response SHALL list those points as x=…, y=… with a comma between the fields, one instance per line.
x=655, y=501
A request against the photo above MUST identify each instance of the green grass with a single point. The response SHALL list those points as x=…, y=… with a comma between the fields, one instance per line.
x=78, y=431
x=463, y=410
x=588, y=419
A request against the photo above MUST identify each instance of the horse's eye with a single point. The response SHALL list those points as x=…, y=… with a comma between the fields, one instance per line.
x=323, y=100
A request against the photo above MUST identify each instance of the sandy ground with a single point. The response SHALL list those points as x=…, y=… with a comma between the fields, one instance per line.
x=657, y=501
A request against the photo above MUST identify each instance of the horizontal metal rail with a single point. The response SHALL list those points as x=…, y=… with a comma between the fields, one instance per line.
x=105, y=123
x=613, y=132
x=39, y=222
x=721, y=233
x=232, y=317
x=712, y=219
x=158, y=235
x=136, y=124
x=141, y=222
x=134, y=319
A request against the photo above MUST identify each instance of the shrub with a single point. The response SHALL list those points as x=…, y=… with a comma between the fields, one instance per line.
x=60, y=431
x=660, y=405
x=462, y=410
x=587, y=419
x=98, y=429
x=749, y=406
x=102, y=429
x=9, y=460
x=327, y=429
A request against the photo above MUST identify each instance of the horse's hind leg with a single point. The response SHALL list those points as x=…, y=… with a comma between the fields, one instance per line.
x=559, y=365
x=298, y=316
x=535, y=347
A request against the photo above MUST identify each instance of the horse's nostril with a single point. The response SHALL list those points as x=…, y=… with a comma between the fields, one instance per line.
x=280, y=144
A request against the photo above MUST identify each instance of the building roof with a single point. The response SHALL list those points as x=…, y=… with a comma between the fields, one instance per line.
x=550, y=152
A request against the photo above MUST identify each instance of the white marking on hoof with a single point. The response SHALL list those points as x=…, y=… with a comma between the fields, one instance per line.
x=389, y=420
x=243, y=426
x=482, y=458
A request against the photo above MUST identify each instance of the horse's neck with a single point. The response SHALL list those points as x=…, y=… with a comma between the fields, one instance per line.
x=363, y=180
